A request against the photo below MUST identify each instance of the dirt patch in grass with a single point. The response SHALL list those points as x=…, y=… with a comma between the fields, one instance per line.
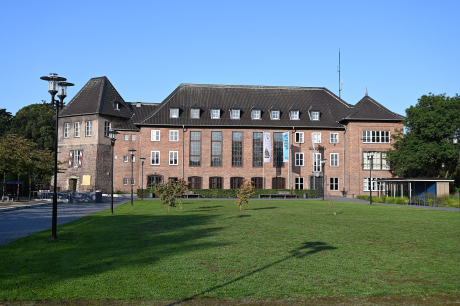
x=432, y=300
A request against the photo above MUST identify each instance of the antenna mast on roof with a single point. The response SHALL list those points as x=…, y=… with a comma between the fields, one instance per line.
x=340, y=82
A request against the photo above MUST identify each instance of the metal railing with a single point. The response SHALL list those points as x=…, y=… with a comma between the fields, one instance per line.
x=427, y=201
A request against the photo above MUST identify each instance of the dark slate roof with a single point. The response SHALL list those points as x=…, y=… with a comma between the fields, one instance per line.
x=331, y=107
x=140, y=113
x=369, y=109
x=97, y=97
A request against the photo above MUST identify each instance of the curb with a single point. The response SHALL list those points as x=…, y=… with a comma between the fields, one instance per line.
x=26, y=206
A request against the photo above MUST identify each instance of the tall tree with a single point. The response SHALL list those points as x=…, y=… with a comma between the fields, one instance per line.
x=36, y=122
x=427, y=142
x=5, y=121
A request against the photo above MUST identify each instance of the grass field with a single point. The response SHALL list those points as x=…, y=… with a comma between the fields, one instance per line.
x=211, y=249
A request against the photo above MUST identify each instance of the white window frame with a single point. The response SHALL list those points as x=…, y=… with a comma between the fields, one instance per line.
x=299, y=182
x=334, y=161
x=66, y=129
x=195, y=113
x=76, y=158
x=318, y=166
x=155, y=135
x=370, y=136
x=125, y=159
x=174, y=135
x=172, y=158
x=334, y=138
x=273, y=116
x=295, y=115
x=258, y=112
x=126, y=137
x=133, y=180
x=152, y=153
x=335, y=183
x=299, y=159
x=215, y=113
x=125, y=181
x=174, y=113
x=300, y=138
x=88, y=128
x=375, y=185
x=235, y=114
x=77, y=129
x=107, y=128
x=315, y=116
x=133, y=137
x=317, y=137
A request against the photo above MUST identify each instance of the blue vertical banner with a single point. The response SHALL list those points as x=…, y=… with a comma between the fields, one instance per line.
x=286, y=147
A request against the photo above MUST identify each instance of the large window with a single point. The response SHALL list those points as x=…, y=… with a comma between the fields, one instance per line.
x=155, y=157
x=299, y=159
x=257, y=149
x=376, y=136
x=376, y=186
x=77, y=129
x=194, y=182
x=236, y=182
x=334, y=160
x=155, y=135
x=299, y=183
x=237, y=149
x=334, y=184
x=174, y=158
x=89, y=127
x=316, y=162
x=66, y=130
x=195, y=148
x=215, y=182
x=216, y=149
x=257, y=182
x=277, y=150
x=379, y=161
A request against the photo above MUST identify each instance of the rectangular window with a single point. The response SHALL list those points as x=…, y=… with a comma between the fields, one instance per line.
x=133, y=137
x=155, y=135
x=174, y=158
x=125, y=159
x=89, y=127
x=235, y=114
x=155, y=157
x=298, y=137
x=125, y=181
x=256, y=114
x=194, y=182
x=314, y=115
x=334, y=160
x=257, y=149
x=334, y=137
x=75, y=158
x=237, y=149
x=294, y=115
x=316, y=162
x=216, y=149
x=277, y=150
x=376, y=186
x=379, y=161
x=299, y=159
x=317, y=137
x=376, y=136
x=195, y=148
x=133, y=158
x=195, y=113
x=236, y=182
x=107, y=128
x=215, y=183
x=132, y=181
x=126, y=137
x=299, y=183
x=257, y=182
x=174, y=112
x=334, y=184
x=66, y=130
x=215, y=114
x=174, y=135
x=77, y=129
x=275, y=114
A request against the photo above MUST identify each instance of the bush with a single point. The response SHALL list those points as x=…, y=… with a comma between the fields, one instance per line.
x=146, y=193
x=232, y=193
x=121, y=192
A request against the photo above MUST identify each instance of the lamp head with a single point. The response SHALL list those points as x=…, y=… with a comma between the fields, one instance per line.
x=113, y=134
x=53, y=80
x=131, y=151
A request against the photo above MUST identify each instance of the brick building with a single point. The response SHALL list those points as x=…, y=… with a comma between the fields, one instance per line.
x=214, y=136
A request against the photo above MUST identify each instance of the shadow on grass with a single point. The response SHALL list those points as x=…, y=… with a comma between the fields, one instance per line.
x=308, y=248
x=97, y=244
x=261, y=208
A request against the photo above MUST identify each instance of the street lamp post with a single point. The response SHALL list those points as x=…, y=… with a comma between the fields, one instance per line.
x=131, y=151
x=370, y=158
x=113, y=137
x=56, y=85
x=323, y=164
x=457, y=146
x=443, y=171
x=142, y=184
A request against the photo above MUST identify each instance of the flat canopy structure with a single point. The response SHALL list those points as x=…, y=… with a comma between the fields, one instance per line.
x=415, y=187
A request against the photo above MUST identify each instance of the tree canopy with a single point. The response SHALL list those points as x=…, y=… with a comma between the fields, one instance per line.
x=5, y=121
x=427, y=142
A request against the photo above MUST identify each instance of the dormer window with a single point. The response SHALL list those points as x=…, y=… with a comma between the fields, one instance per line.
x=215, y=113
x=314, y=115
x=195, y=113
x=275, y=115
x=235, y=114
x=256, y=114
x=116, y=106
x=294, y=115
x=174, y=112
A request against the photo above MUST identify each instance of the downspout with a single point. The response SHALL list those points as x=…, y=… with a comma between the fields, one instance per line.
x=183, y=149
x=344, y=162
x=292, y=157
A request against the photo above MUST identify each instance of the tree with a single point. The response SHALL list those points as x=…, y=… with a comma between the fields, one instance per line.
x=36, y=122
x=5, y=121
x=169, y=191
x=243, y=193
x=427, y=142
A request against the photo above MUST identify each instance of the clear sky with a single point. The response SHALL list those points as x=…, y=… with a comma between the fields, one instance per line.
x=400, y=50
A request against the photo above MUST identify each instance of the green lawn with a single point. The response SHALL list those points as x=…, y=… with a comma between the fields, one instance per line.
x=271, y=249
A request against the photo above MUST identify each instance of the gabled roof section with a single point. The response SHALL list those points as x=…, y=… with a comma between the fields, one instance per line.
x=98, y=96
x=246, y=97
x=370, y=110
x=140, y=113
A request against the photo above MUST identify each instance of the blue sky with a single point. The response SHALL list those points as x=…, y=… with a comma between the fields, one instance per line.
x=400, y=50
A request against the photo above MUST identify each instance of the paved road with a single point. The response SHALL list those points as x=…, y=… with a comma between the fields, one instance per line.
x=20, y=223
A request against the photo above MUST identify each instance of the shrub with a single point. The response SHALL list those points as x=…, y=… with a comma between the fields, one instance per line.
x=232, y=193
x=243, y=193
